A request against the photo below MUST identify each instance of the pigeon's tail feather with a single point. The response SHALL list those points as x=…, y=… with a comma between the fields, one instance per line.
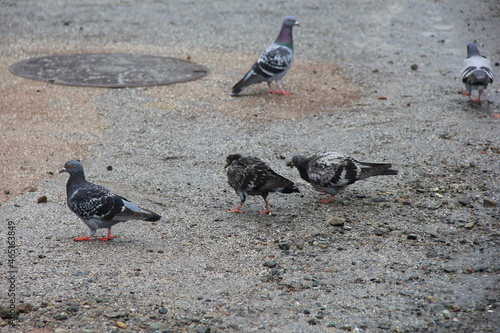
x=149, y=216
x=289, y=189
x=478, y=76
x=235, y=91
x=376, y=169
x=133, y=211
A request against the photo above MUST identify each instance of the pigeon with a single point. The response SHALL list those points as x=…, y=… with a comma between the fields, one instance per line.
x=97, y=206
x=331, y=172
x=476, y=72
x=274, y=63
x=249, y=175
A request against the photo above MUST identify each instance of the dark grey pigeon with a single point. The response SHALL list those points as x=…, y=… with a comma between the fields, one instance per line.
x=331, y=172
x=249, y=175
x=274, y=63
x=97, y=206
x=476, y=72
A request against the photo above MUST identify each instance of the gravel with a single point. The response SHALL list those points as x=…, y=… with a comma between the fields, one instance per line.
x=376, y=80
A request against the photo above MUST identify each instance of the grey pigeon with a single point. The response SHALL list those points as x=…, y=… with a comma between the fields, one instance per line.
x=331, y=172
x=97, y=206
x=249, y=175
x=476, y=72
x=274, y=63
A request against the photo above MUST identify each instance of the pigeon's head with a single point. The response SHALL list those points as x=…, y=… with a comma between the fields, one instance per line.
x=472, y=50
x=290, y=21
x=72, y=167
x=231, y=158
x=297, y=161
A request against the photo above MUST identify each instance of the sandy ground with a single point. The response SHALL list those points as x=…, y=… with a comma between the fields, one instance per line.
x=412, y=253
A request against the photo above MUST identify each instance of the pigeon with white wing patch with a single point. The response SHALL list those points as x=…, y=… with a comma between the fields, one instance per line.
x=331, y=172
x=97, y=206
x=476, y=72
x=274, y=63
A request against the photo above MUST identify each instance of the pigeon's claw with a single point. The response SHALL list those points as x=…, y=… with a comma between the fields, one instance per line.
x=107, y=238
x=327, y=200
x=84, y=238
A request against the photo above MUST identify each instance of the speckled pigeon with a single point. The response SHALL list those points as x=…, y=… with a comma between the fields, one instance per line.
x=249, y=175
x=331, y=172
x=97, y=206
x=476, y=72
x=274, y=63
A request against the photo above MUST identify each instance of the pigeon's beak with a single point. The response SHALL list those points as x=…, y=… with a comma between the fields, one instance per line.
x=63, y=170
x=297, y=23
x=290, y=164
x=225, y=166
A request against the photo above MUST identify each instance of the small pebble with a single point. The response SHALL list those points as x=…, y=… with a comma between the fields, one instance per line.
x=163, y=310
x=42, y=199
x=335, y=221
x=489, y=203
x=61, y=316
x=270, y=264
x=414, y=67
x=121, y=324
x=412, y=236
x=469, y=225
x=464, y=201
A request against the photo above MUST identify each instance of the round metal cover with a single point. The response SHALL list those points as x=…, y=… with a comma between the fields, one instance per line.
x=110, y=70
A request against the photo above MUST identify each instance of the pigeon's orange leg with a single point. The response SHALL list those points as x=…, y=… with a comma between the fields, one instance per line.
x=268, y=208
x=327, y=200
x=478, y=97
x=84, y=238
x=108, y=237
x=237, y=209
x=281, y=91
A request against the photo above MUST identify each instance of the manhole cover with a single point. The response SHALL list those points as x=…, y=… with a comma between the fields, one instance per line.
x=113, y=70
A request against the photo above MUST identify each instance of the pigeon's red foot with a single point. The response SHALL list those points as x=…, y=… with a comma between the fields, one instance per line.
x=477, y=100
x=236, y=210
x=85, y=238
x=327, y=200
x=279, y=92
x=465, y=93
x=265, y=212
x=107, y=238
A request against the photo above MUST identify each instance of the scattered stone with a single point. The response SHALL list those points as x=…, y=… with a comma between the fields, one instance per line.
x=6, y=192
x=414, y=67
x=446, y=314
x=109, y=168
x=41, y=256
x=42, y=199
x=469, y=225
x=412, y=236
x=203, y=329
x=157, y=326
x=270, y=264
x=285, y=246
x=24, y=307
x=121, y=324
x=384, y=326
x=489, y=203
x=346, y=328
x=306, y=312
x=61, y=316
x=335, y=221
x=312, y=321
x=464, y=201
x=162, y=310
x=5, y=313
x=452, y=307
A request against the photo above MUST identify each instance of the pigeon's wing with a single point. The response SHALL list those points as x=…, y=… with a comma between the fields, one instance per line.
x=247, y=175
x=272, y=65
x=332, y=169
x=92, y=201
x=274, y=62
x=474, y=63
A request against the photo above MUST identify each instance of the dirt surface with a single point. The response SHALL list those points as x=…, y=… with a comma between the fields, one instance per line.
x=376, y=80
